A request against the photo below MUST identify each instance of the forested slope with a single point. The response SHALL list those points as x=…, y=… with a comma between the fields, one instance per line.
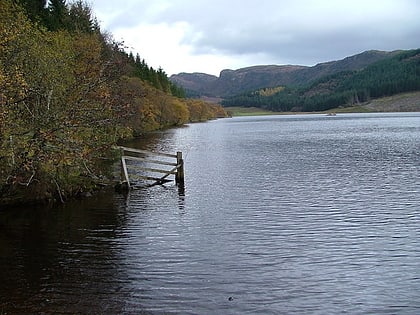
x=68, y=93
x=234, y=82
x=397, y=74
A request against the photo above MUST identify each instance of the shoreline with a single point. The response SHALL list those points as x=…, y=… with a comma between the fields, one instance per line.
x=406, y=102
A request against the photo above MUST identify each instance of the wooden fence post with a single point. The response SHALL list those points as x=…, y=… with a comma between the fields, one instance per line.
x=125, y=172
x=179, y=178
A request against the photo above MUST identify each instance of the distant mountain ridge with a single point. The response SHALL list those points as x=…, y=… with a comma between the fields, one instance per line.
x=397, y=74
x=233, y=82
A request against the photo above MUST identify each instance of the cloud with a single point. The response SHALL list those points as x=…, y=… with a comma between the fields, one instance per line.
x=248, y=32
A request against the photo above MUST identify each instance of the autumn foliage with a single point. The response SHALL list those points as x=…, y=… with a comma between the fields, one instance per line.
x=67, y=95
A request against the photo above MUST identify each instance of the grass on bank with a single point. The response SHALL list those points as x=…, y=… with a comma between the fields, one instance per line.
x=254, y=111
x=249, y=111
x=404, y=102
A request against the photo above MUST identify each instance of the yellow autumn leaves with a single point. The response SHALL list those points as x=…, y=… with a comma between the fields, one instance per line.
x=66, y=96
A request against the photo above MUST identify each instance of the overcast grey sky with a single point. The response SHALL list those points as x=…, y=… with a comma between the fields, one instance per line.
x=211, y=35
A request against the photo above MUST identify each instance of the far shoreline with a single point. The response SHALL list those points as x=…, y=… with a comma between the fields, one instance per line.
x=405, y=102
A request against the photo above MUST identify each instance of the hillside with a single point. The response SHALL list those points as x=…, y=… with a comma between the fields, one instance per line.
x=233, y=82
x=194, y=83
x=397, y=74
x=405, y=102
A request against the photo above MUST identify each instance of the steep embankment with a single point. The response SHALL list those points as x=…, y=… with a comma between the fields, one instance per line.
x=67, y=95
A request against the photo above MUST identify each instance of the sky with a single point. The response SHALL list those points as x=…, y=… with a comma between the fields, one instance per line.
x=208, y=36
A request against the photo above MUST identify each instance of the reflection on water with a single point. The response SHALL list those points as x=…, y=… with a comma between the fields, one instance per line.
x=279, y=215
x=47, y=257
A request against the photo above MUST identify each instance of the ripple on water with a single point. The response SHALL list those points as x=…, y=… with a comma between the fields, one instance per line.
x=284, y=214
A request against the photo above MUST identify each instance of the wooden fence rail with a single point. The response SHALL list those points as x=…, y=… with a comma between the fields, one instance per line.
x=148, y=164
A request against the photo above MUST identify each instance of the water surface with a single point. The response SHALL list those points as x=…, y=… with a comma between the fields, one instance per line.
x=304, y=214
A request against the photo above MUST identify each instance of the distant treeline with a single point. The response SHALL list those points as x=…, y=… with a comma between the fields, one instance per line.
x=68, y=93
x=397, y=74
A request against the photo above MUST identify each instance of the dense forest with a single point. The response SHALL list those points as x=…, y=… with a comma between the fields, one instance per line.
x=396, y=74
x=68, y=93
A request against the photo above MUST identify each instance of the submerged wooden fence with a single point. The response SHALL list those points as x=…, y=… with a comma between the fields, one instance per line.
x=145, y=165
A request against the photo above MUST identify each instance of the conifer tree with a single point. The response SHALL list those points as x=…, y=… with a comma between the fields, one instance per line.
x=35, y=9
x=57, y=15
x=82, y=18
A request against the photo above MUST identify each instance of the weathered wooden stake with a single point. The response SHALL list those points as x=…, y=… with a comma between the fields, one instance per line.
x=124, y=170
x=179, y=178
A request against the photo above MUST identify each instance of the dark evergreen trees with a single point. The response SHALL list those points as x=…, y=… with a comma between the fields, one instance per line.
x=57, y=15
x=35, y=9
x=82, y=18
x=157, y=78
x=397, y=74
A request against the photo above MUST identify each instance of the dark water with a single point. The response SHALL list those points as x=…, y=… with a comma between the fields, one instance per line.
x=280, y=215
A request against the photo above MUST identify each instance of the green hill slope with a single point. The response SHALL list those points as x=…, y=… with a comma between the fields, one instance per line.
x=397, y=74
x=234, y=82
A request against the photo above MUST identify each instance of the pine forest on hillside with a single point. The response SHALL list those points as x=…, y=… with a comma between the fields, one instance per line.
x=396, y=74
